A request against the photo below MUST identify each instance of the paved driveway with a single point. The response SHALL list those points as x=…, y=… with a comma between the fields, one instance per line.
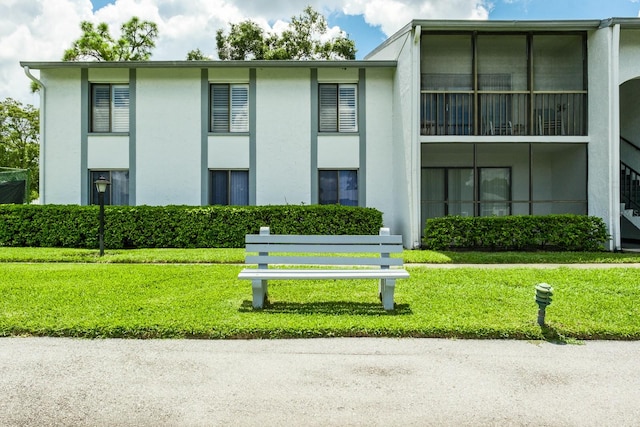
x=319, y=382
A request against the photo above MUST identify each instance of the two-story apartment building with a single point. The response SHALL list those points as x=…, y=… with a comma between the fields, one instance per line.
x=444, y=118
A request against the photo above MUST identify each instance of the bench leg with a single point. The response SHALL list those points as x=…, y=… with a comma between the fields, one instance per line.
x=259, y=292
x=387, y=287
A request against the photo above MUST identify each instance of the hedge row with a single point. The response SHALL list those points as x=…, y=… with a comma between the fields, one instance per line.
x=73, y=226
x=548, y=232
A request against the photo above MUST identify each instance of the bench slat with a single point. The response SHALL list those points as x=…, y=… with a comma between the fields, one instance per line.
x=330, y=248
x=284, y=274
x=319, y=260
x=320, y=239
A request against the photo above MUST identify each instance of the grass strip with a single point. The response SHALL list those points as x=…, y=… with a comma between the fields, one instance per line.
x=222, y=256
x=208, y=301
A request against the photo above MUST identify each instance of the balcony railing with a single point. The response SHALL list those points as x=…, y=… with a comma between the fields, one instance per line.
x=559, y=113
x=503, y=113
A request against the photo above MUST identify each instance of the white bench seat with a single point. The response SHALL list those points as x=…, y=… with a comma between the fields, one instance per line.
x=371, y=260
x=315, y=274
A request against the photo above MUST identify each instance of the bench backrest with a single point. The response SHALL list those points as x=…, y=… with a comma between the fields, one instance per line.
x=323, y=250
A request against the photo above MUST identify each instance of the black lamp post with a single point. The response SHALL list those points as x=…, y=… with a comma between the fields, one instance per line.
x=101, y=185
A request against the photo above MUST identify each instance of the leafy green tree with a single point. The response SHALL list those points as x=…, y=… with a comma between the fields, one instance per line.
x=136, y=41
x=197, y=55
x=19, y=138
x=302, y=40
x=246, y=40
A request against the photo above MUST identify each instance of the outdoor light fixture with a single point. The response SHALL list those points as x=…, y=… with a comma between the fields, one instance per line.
x=101, y=185
x=544, y=292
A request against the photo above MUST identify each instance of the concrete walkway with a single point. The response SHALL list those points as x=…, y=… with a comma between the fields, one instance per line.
x=321, y=382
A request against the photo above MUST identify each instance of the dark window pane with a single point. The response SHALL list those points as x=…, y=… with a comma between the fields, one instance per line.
x=219, y=187
x=239, y=191
x=328, y=193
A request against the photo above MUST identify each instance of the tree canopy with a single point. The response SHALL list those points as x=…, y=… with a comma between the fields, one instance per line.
x=19, y=138
x=197, y=55
x=136, y=42
x=304, y=39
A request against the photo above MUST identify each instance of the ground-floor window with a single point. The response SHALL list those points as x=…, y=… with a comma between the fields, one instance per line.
x=338, y=187
x=117, y=192
x=503, y=179
x=454, y=191
x=229, y=187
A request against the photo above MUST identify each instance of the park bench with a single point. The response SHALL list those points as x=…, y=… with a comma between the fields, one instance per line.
x=295, y=252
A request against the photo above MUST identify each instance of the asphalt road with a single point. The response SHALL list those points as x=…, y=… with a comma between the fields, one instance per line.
x=319, y=382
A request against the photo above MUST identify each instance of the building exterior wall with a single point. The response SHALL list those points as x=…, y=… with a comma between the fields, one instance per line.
x=168, y=137
x=381, y=146
x=61, y=164
x=603, y=155
x=170, y=149
x=283, y=129
x=405, y=142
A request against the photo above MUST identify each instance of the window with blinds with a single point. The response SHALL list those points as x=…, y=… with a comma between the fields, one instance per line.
x=229, y=108
x=338, y=108
x=110, y=108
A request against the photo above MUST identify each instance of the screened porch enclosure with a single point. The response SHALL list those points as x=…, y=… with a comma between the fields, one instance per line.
x=504, y=84
x=503, y=179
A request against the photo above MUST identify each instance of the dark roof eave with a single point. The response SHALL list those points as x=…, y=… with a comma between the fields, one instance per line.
x=41, y=65
x=515, y=25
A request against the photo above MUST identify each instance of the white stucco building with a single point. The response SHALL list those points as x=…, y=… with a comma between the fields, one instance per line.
x=444, y=118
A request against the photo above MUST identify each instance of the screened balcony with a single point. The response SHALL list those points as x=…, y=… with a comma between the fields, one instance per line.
x=516, y=84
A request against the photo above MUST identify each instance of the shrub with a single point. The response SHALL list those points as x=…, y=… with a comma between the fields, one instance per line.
x=547, y=232
x=74, y=226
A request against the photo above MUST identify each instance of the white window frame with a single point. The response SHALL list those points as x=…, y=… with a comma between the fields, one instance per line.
x=115, y=113
x=229, y=108
x=338, y=111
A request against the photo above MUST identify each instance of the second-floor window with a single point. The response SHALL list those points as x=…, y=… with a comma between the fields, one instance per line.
x=338, y=107
x=110, y=108
x=229, y=108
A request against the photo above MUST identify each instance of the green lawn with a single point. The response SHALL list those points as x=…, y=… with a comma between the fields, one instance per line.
x=208, y=301
x=237, y=256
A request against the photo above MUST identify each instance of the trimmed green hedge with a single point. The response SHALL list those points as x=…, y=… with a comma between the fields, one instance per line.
x=72, y=226
x=544, y=232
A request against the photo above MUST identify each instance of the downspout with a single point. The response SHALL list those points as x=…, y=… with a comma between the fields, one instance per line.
x=42, y=162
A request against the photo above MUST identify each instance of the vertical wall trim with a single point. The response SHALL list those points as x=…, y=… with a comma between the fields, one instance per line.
x=253, y=128
x=84, y=136
x=314, y=136
x=362, y=130
x=614, y=139
x=132, y=136
x=204, y=136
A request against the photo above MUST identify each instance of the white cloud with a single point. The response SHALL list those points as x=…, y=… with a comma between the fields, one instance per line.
x=391, y=15
x=40, y=30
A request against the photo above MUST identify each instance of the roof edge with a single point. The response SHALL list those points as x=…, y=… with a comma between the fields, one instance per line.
x=41, y=65
x=505, y=25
